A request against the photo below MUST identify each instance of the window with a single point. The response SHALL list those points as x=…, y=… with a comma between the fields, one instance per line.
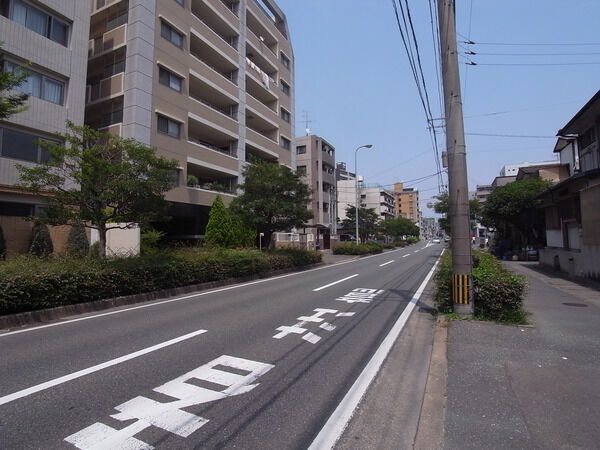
x=16, y=209
x=285, y=143
x=285, y=61
x=285, y=115
x=170, y=79
x=169, y=126
x=285, y=87
x=300, y=149
x=181, y=2
x=587, y=138
x=37, y=20
x=24, y=146
x=171, y=35
x=301, y=171
x=38, y=85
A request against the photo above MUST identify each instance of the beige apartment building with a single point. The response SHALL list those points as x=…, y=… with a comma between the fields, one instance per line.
x=407, y=203
x=48, y=39
x=208, y=83
x=315, y=163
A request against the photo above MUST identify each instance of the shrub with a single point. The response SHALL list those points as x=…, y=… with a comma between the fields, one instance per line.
x=218, y=229
x=77, y=242
x=360, y=249
x=41, y=242
x=412, y=239
x=149, y=241
x=497, y=293
x=28, y=283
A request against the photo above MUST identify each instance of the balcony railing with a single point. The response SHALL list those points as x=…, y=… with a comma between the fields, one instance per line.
x=108, y=42
x=229, y=151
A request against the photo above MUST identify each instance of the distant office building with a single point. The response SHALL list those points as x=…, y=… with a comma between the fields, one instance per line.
x=482, y=192
x=208, y=83
x=372, y=197
x=315, y=162
x=49, y=40
x=407, y=203
x=341, y=173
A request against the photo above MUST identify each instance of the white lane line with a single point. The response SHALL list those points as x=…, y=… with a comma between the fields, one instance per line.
x=80, y=373
x=406, y=256
x=335, y=282
x=416, y=251
x=187, y=297
x=386, y=263
x=337, y=422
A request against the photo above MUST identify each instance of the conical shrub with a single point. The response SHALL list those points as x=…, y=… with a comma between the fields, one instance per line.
x=77, y=242
x=41, y=242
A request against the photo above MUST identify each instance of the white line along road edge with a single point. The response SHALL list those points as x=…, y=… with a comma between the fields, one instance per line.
x=337, y=422
x=80, y=373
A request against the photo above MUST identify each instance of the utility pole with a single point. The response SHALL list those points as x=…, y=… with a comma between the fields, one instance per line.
x=458, y=195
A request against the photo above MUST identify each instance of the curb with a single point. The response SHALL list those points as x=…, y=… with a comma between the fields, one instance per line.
x=430, y=430
x=19, y=320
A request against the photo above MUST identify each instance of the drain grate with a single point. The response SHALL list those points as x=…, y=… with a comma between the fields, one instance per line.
x=579, y=305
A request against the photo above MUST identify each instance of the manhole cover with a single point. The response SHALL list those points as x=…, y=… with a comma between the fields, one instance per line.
x=579, y=305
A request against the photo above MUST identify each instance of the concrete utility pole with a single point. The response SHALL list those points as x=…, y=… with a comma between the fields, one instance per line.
x=458, y=195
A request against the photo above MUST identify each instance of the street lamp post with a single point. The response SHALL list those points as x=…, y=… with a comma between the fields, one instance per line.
x=357, y=205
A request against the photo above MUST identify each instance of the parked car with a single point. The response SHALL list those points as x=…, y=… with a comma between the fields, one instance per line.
x=347, y=238
x=435, y=241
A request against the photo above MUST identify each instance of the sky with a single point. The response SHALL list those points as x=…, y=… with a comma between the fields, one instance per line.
x=355, y=86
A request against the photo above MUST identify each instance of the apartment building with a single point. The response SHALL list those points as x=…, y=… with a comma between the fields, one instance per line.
x=372, y=197
x=208, y=83
x=48, y=39
x=315, y=163
x=407, y=203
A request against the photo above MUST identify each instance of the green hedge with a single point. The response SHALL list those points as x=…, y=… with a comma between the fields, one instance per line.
x=498, y=294
x=360, y=249
x=28, y=283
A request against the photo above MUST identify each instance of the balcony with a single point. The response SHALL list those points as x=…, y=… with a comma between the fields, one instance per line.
x=259, y=46
x=207, y=138
x=217, y=21
x=267, y=113
x=212, y=58
x=261, y=28
x=207, y=177
x=262, y=87
x=202, y=32
x=255, y=152
x=108, y=42
x=105, y=114
x=105, y=89
x=260, y=65
x=261, y=125
x=217, y=101
x=266, y=18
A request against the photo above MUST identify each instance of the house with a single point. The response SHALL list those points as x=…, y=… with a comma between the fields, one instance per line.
x=572, y=206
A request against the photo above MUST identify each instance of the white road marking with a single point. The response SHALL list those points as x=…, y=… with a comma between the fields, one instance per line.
x=311, y=337
x=187, y=297
x=335, y=282
x=345, y=314
x=80, y=373
x=335, y=426
x=360, y=295
x=170, y=416
x=386, y=263
x=327, y=326
x=405, y=256
x=416, y=251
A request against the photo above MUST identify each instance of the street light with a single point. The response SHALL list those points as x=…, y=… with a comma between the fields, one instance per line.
x=356, y=206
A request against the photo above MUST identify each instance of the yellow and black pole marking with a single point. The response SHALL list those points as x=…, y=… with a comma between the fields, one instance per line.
x=461, y=288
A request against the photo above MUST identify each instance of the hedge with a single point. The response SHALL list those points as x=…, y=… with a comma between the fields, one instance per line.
x=28, y=283
x=357, y=249
x=497, y=293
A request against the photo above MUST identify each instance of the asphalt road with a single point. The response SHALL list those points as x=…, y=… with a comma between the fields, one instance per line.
x=258, y=365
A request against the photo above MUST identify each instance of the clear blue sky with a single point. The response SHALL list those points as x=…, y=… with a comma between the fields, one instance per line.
x=353, y=78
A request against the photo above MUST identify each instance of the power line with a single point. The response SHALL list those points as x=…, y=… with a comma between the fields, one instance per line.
x=531, y=54
x=524, y=109
x=545, y=44
x=511, y=135
x=471, y=63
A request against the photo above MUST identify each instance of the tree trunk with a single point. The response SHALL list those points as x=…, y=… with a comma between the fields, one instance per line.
x=102, y=241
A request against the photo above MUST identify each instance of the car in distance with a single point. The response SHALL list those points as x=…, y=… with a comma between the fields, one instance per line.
x=435, y=241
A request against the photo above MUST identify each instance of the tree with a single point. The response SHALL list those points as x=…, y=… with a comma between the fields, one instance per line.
x=274, y=199
x=514, y=211
x=77, y=242
x=442, y=206
x=218, y=230
x=41, y=242
x=399, y=227
x=100, y=180
x=11, y=102
x=367, y=221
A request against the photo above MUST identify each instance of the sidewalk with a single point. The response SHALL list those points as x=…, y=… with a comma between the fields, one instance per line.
x=535, y=387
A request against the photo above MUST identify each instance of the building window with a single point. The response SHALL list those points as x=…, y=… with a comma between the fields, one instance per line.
x=38, y=85
x=24, y=146
x=587, y=138
x=171, y=34
x=285, y=87
x=300, y=149
x=301, y=171
x=285, y=115
x=36, y=20
x=169, y=79
x=285, y=61
x=181, y=2
x=285, y=143
x=169, y=126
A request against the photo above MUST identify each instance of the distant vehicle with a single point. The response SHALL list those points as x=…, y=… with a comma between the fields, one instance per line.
x=446, y=239
x=347, y=238
x=435, y=241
